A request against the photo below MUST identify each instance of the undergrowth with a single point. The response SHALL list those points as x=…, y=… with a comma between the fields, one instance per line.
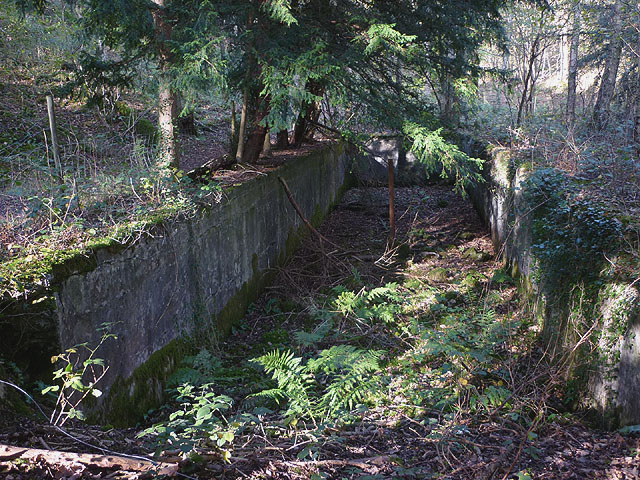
x=445, y=358
x=107, y=188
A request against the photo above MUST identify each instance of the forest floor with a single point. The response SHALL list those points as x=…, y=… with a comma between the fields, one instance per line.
x=447, y=377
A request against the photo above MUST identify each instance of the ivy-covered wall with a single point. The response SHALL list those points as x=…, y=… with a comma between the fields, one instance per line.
x=568, y=251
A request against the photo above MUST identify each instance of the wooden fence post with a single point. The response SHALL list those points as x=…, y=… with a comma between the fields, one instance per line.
x=54, y=137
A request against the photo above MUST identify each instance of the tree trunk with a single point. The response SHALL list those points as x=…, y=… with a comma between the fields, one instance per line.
x=528, y=83
x=266, y=149
x=59, y=173
x=243, y=123
x=299, y=128
x=282, y=141
x=255, y=141
x=636, y=122
x=234, y=129
x=572, y=80
x=607, y=88
x=450, y=100
x=167, y=99
x=305, y=124
x=169, y=156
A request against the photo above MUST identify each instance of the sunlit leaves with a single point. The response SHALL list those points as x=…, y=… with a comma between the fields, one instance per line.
x=384, y=36
x=279, y=10
x=337, y=378
x=433, y=150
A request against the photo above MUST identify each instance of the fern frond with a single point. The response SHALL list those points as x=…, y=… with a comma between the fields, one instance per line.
x=346, y=391
x=293, y=378
x=347, y=358
x=275, y=395
x=389, y=291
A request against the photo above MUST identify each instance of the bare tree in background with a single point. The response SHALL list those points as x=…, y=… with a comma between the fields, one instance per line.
x=613, y=50
x=572, y=79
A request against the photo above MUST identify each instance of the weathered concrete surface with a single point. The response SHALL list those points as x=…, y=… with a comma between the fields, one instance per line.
x=371, y=167
x=500, y=204
x=195, y=275
x=611, y=385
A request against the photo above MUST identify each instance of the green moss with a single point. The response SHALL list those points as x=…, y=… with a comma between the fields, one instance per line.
x=473, y=280
x=476, y=255
x=45, y=270
x=129, y=400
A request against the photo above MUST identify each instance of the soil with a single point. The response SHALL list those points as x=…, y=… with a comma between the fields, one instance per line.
x=437, y=230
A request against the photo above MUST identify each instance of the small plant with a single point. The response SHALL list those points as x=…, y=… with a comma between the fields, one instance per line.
x=199, y=422
x=380, y=303
x=337, y=379
x=77, y=378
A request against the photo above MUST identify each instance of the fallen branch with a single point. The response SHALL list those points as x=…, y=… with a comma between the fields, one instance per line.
x=357, y=462
x=86, y=460
x=301, y=215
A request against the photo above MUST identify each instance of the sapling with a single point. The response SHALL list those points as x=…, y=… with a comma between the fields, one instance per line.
x=77, y=378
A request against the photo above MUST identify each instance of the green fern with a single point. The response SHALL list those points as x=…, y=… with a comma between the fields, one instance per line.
x=295, y=383
x=307, y=339
x=337, y=379
x=345, y=358
x=345, y=392
x=381, y=303
x=387, y=293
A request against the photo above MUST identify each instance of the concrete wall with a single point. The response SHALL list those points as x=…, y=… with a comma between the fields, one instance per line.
x=606, y=379
x=197, y=274
x=371, y=167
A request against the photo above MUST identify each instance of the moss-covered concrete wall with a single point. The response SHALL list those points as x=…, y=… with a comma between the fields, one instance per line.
x=192, y=276
x=565, y=256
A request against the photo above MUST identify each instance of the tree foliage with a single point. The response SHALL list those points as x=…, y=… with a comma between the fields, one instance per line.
x=289, y=56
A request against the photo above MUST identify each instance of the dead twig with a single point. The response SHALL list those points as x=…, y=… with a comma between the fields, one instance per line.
x=302, y=217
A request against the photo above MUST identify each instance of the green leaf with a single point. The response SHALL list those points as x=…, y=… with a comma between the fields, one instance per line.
x=52, y=388
x=204, y=412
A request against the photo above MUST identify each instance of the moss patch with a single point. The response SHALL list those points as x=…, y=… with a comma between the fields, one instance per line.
x=236, y=307
x=129, y=400
x=476, y=255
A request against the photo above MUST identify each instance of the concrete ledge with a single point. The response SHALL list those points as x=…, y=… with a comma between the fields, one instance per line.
x=605, y=374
